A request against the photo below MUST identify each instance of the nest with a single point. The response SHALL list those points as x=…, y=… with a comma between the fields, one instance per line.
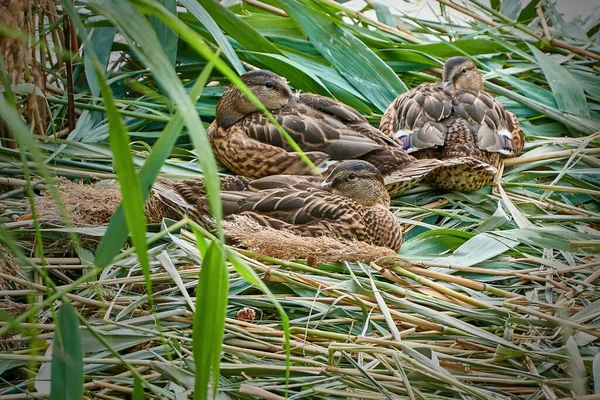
x=89, y=205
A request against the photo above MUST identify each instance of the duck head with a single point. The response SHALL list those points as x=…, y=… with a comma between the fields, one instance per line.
x=461, y=73
x=271, y=89
x=360, y=181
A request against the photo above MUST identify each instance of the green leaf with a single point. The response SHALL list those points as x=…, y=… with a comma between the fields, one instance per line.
x=100, y=44
x=239, y=29
x=352, y=58
x=207, y=20
x=131, y=193
x=166, y=36
x=138, y=390
x=511, y=8
x=141, y=33
x=67, y=356
x=528, y=12
x=383, y=14
x=299, y=75
x=596, y=373
x=529, y=89
x=567, y=91
x=209, y=320
x=246, y=272
x=115, y=234
x=551, y=237
x=444, y=49
x=479, y=248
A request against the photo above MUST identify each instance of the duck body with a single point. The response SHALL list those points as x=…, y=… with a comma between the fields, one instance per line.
x=458, y=123
x=352, y=204
x=328, y=131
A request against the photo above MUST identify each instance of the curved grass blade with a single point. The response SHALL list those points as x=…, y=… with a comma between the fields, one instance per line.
x=115, y=235
x=167, y=38
x=67, y=356
x=209, y=320
x=197, y=43
x=567, y=91
x=355, y=61
x=268, y=54
x=207, y=20
x=141, y=38
x=250, y=275
x=131, y=193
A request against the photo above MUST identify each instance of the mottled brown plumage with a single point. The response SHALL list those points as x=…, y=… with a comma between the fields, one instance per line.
x=456, y=122
x=352, y=203
x=328, y=131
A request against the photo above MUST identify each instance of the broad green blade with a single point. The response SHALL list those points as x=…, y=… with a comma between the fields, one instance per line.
x=567, y=91
x=355, y=61
x=209, y=320
x=131, y=193
x=207, y=20
x=166, y=36
x=67, y=356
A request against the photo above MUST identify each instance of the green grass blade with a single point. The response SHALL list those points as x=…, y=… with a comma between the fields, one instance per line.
x=131, y=193
x=237, y=28
x=250, y=275
x=209, y=320
x=207, y=20
x=355, y=61
x=138, y=390
x=166, y=36
x=98, y=47
x=143, y=41
x=67, y=356
x=567, y=91
x=197, y=43
x=115, y=234
x=300, y=76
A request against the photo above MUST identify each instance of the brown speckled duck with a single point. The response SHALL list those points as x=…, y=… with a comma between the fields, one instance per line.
x=456, y=122
x=328, y=131
x=351, y=203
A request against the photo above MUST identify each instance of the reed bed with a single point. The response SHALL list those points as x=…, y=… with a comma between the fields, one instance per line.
x=493, y=295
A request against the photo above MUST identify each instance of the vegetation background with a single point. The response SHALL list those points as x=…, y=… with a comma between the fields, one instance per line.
x=493, y=294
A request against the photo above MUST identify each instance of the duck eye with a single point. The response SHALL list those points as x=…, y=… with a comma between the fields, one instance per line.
x=464, y=70
x=269, y=84
x=351, y=176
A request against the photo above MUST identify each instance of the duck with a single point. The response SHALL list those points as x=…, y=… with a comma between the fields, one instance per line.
x=328, y=132
x=458, y=122
x=351, y=204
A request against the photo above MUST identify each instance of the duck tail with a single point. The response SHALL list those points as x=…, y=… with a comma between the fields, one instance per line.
x=462, y=174
x=169, y=194
x=409, y=175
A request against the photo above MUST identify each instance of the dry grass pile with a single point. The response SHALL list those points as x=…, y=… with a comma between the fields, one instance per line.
x=286, y=245
x=88, y=205
x=8, y=266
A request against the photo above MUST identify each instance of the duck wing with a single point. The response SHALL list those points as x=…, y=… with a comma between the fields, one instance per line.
x=253, y=158
x=495, y=130
x=312, y=130
x=417, y=118
x=294, y=182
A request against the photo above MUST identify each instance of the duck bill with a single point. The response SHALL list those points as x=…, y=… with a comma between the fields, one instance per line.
x=293, y=99
x=327, y=186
